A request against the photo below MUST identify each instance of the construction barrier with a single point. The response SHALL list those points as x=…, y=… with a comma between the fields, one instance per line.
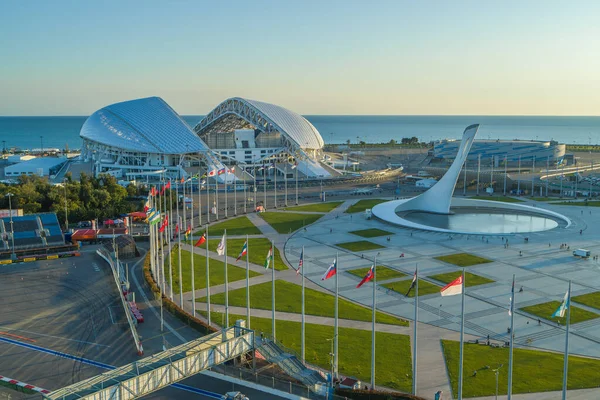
x=52, y=257
x=29, y=259
x=5, y=261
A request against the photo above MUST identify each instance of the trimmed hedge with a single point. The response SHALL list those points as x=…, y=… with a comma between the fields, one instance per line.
x=375, y=395
x=173, y=308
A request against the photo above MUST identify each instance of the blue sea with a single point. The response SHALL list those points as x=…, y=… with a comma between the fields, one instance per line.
x=58, y=132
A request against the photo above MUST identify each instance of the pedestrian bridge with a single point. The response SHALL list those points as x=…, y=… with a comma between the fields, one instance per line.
x=153, y=373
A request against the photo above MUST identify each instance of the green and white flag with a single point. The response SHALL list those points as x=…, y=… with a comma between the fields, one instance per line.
x=269, y=256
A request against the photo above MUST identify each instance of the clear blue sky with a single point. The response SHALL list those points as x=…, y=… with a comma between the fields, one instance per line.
x=315, y=57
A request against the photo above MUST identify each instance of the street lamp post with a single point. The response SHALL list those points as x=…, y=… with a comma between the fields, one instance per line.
x=12, y=231
x=332, y=358
x=497, y=372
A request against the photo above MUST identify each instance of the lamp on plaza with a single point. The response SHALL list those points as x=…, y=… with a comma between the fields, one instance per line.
x=332, y=358
x=12, y=231
x=497, y=371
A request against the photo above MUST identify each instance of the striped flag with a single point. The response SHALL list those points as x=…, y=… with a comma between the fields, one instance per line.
x=243, y=252
x=331, y=271
x=188, y=231
x=454, y=287
x=269, y=256
x=412, y=284
x=300, y=262
x=560, y=311
x=164, y=223
x=370, y=275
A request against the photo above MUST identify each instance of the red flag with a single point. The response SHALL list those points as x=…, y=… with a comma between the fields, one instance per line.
x=182, y=179
x=168, y=185
x=201, y=241
x=153, y=191
x=162, y=190
x=331, y=271
x=164, y=223
x=370, y=275
x=454, y=287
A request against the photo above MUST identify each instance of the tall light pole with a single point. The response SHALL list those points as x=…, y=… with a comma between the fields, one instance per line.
x=42, y=146
x=497, y=371
x=12, y=232
x=332, y=358
x=66, y=209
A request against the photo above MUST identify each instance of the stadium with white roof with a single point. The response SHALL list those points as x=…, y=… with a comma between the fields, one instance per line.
x=146, y=139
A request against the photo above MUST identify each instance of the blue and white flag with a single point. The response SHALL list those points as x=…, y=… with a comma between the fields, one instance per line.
x=560, y=311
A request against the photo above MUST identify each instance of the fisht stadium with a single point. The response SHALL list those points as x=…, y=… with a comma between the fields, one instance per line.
x=146, y=139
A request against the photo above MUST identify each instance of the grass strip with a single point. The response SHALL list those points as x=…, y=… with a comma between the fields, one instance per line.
x=463, y=259
x=317, y=207
x=217, y=271
x=545, y=311
x=470, y=279
x=258, y=248
x=235, y=226
x=374, y=232
x=364, y=204
x=361, y=245
x=288, y=299
x=287, y=222
x=401, y=287
x=382, y=273
x=534, y=371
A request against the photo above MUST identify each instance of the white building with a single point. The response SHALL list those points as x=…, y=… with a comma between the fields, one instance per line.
x=251, y=133
x=425, y=183
x=143, y=139
x=43, y=166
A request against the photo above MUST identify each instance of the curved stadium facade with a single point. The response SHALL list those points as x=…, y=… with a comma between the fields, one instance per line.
x=513, y=150
x=147, y=139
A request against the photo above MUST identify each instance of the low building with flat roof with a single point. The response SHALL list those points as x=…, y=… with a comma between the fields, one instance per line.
x=43, y=166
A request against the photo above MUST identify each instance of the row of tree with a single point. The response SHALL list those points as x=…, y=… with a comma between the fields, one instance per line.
x=86, y=199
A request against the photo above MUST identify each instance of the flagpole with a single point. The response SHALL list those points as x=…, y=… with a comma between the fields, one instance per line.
x=179, y=247
x=303, y=331
x=512, y=330
x=265, y=185
x=226, y=281
x=373, y=325
x=217, y=196
x=462, y=337
x=254, y=187
x=335, y=330
x=226, y=193
x=170, y=235
x=192, y=250
x=244, y=174
x=207, y=279
x=273, y=288
x=286, y=189
x=207, y=202
x=234, y=193
x=248, y=281
x=199, y=201
x=414, y=383
x=275, y=178
x=566, y=365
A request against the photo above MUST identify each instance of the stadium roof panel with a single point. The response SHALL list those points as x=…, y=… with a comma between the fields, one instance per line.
x=293, y=125
x=143, y=125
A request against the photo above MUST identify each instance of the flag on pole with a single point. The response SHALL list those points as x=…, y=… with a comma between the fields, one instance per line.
x=201, y=241
x=221, y=171
x=168, y=185
x=164, y=223
x=232, y=170
x=412, y=284
x=370, y=275
x=295, y=164
x=154, y=219
x=162, y=190
x=182, y=180
x=188, y=231
x=212, y=172
x=454, y=287
x=560, y=311
x=221, y=246
x=300, y=262
x=269, y=256
x=512, y=296
x=243, y=252
x=147, y=205
x=176, y=230
x=331, y=271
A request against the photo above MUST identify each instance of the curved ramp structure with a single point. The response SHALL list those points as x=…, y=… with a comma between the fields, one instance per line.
x=438, y=198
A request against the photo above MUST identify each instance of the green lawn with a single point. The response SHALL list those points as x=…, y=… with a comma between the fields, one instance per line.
x=505, y=199
x=545, y=311
x=258, y=248
x=235, y=226
x=361, y=245
x=217, y=270
x=287, y=222
x=595, y=203
x=317, y=207
x=463, y=259
x=534, y=371
x=590, y=299
x=543, y=198
x=470, y=279
x=374, y=232
x=393, y=361
x=402, y=287
x=288, y=299
x=382, y=273
x=362, y=205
